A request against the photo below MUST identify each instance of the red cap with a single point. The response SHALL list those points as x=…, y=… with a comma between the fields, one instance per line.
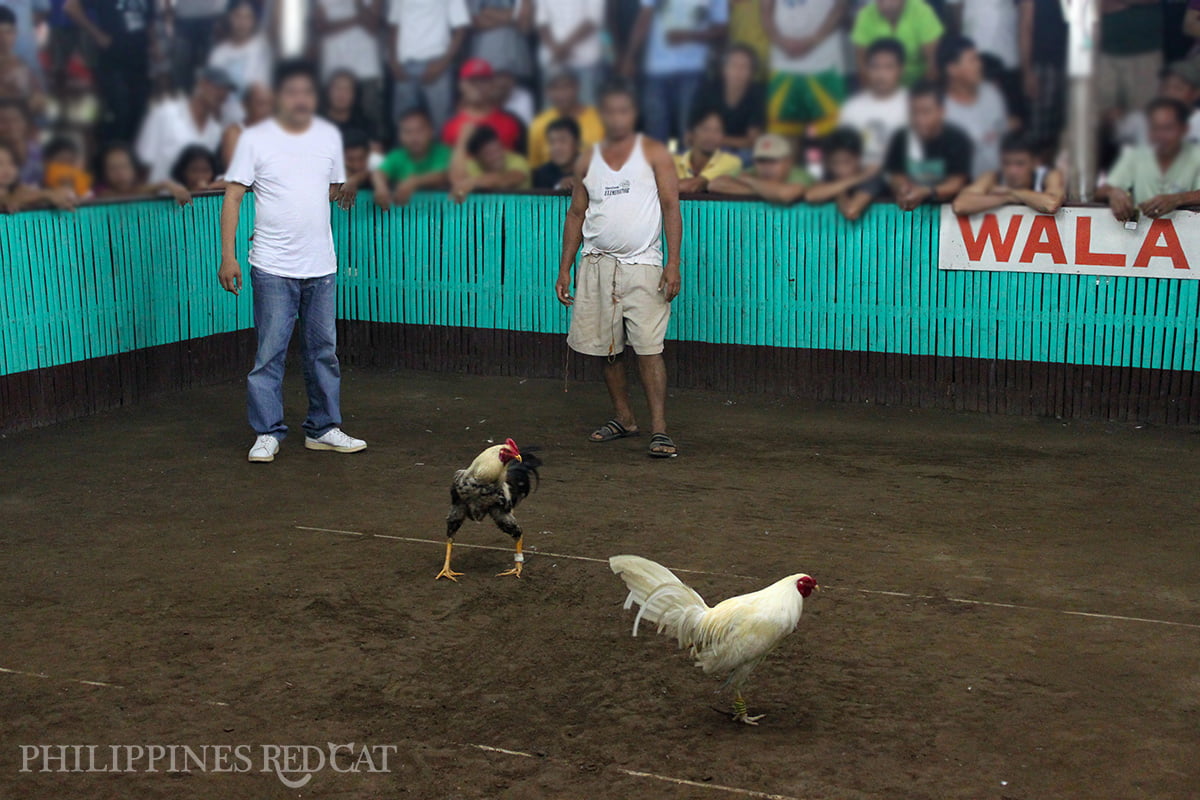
x=476, y=68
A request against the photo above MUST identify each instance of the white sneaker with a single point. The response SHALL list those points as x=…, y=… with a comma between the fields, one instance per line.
x=265, y=448
x=335, y=439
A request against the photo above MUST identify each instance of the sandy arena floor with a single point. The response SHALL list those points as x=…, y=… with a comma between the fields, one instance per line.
x=139, y=549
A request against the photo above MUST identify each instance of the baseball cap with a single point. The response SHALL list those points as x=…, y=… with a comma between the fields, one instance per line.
x=1188, y=69
x=771, y=147
x=217, y=77
x=476, y=68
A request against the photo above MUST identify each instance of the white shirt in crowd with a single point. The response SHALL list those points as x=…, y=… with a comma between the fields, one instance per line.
x=800, y=19
x=247, y=64
x=985, y=121
x=355, y=49
x=290, y=174
x=563, y=18
x=876, y=119
x=992, y=26
x=425, y=26
x=168, y=129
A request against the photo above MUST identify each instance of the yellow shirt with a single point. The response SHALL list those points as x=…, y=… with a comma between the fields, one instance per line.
x=721, y=163
x=591, y=130
x=512, y=163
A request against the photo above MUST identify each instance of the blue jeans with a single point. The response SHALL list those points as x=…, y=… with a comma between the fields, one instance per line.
x=277, y=302
x=667, y=104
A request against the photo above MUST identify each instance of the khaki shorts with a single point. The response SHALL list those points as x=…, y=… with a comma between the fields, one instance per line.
x=615, y=302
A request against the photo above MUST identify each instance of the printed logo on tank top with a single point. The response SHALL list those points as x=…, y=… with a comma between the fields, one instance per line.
x=621, y=188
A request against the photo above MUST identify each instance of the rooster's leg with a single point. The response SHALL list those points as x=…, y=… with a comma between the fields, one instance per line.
x=518, y=561
x=741, y=713
x=446, y=571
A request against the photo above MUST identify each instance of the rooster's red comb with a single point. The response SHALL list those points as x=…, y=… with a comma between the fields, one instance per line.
x=511, y=445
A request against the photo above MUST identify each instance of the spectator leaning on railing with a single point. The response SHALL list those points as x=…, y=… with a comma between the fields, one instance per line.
x=1158, y=178
x=356, y=153
x=559, y=172
x=420, y=163
x=481, y=161
x=973, y=104
x=808, y=70
x=880, y=109
x=118, y=176
x=426, y=37
x=1020, y=180
x=912, y=22
x=930, y=161
x=562, y=92
x=849, y=183
x=16, y=195
x=704, y=159
x=196, y=170
x=774, y=176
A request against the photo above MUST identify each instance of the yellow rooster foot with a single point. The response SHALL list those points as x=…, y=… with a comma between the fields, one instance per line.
x=448, y=573
x=742, y=714
x=516, y=570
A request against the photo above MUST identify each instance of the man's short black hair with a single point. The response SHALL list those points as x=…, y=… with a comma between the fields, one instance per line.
x=950, y=49
x=60, y=145
x=701, y=114
x=355, y=139
x=565, y=124
x=843, y=140
x=1178, y=107
x=294, y=68
x=416, y=111
x=7, y=17
x=616, y=87
x=1018, y=142
x=926, y=88
x=481, y=138
x=893, y=47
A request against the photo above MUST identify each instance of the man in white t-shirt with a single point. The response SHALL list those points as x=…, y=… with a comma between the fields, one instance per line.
x=179, y=122
x=808, y=69
x=570, y=37
x=880, y=110
x=426, y=38
x=294, y=162
x=973, y=104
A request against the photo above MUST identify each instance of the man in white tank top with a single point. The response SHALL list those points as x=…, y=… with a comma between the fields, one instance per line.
x=626, y=194
x=1021, y=180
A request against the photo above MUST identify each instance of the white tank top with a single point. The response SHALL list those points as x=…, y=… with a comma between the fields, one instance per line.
x=624, y=218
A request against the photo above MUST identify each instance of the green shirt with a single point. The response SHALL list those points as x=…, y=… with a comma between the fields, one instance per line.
x=400, y=166
x=918, y=26
x=1137, y=172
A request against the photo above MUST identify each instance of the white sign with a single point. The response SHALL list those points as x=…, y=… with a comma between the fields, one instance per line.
x=1075, y=241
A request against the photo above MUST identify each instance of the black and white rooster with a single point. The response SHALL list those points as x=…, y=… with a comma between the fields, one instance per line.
x=498, y=479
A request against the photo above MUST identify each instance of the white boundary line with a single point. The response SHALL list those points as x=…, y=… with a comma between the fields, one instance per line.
x=654, y=776
x=103, y=684
x=961, y=600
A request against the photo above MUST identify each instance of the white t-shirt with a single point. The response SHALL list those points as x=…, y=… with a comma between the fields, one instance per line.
x=563, y=18
x=290, y=174
x=877, y=120
x=355, y=49
x=425, y=26
x=799, y=19
x=168, y=129
x=992, y=25
x=985, y=122
x=247, y=64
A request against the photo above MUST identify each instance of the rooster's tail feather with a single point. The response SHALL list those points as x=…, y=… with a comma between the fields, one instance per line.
x=665, y=600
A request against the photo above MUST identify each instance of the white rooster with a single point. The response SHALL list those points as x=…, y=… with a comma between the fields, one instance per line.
x=731, y=637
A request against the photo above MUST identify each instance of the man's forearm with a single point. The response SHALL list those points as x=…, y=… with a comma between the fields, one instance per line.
x=572, y=240
x=673, y=224
x=230, y=212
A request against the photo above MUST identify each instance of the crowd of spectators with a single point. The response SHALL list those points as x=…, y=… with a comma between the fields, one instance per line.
x=843, y=101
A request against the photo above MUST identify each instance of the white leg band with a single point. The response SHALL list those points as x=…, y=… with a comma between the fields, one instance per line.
x=518, y=557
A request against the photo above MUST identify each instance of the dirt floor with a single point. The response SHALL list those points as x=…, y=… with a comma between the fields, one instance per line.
x=139, y=549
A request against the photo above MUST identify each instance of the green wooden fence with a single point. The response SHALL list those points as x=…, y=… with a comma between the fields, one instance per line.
x=112, y=279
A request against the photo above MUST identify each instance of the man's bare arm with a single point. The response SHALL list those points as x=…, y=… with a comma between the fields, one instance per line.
x=668, y=197
x=230, y=273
